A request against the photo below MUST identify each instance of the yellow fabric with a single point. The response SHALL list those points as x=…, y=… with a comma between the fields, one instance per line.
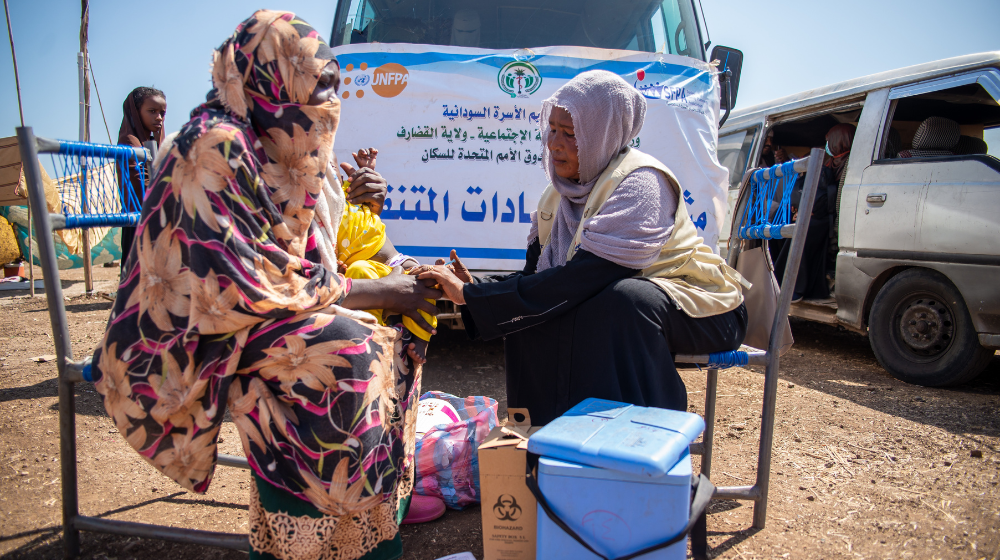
x=370, y=270
x=361, y=233
x=9, y=249
x=699, y=281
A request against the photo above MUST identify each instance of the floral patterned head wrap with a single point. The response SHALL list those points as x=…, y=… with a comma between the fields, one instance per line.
x=264, y=74
x=272, y=57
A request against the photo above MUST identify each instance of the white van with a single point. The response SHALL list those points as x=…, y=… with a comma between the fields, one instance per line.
x=918, y=225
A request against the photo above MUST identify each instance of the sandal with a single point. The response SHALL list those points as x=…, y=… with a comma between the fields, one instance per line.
x=424, y=509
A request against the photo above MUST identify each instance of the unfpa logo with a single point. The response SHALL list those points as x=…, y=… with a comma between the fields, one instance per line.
x=506, y=508
x=519, y=79
x=390, y=79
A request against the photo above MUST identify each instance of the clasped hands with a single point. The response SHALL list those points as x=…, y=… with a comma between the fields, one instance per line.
x=450, y=278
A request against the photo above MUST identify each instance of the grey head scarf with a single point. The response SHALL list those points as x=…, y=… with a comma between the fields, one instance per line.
x=637, y=219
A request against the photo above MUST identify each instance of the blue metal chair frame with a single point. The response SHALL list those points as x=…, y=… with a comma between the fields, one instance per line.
x=756, y=219
x=78, y=162
x=71, y=371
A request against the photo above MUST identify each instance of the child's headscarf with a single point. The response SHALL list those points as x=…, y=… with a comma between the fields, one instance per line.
x=132, y=120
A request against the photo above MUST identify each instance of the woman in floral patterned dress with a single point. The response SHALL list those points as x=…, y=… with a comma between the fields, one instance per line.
x=224, y=305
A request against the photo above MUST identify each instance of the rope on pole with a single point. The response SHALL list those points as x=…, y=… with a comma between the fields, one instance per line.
x=104, y=118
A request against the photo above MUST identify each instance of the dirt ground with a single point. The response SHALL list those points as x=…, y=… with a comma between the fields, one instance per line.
x=864, y=465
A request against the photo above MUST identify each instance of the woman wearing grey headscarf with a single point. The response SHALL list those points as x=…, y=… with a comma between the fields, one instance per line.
x=616, y=278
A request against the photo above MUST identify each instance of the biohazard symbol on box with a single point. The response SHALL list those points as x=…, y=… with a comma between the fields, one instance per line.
x=506, y=508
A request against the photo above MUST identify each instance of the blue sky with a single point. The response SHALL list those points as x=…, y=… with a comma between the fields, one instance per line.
x=789, y=47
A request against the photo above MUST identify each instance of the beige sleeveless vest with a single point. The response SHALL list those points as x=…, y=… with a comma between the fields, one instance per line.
x=699, y=281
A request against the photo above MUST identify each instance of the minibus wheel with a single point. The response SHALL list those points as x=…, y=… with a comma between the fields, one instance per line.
x=921, y=331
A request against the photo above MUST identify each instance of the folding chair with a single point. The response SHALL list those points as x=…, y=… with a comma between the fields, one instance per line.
x=87, y=165
x=756, y=218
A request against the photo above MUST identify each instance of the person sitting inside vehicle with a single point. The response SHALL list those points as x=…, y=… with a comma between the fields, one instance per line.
x=770, y=154
x=936, y=136
x=367, y=253
x=811, y=282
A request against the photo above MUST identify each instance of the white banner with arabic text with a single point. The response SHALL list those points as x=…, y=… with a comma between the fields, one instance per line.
x=457, y=131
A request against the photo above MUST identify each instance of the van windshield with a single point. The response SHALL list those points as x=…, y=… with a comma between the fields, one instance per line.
x=667, y=26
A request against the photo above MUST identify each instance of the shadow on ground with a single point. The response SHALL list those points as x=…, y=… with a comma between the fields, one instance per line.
x=448, y=535
x=87, y=307
x=851, y=372
x=88, y=401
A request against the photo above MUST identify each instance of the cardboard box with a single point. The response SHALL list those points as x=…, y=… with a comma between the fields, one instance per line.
x=508, y=508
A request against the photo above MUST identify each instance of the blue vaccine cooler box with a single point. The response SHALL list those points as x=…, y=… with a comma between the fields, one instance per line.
x=619, y=475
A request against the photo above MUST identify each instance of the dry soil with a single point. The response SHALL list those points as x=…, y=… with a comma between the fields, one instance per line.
x=864, y=466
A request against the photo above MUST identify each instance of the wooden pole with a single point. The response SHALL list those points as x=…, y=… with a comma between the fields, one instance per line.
x=88, y=275
x=17, y=81
x=85, y=85
x=20, y=112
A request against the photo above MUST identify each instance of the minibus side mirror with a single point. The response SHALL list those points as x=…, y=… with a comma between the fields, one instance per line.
x=730, y=65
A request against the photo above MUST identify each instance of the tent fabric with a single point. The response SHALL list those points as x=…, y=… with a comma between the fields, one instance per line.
x=105, y=250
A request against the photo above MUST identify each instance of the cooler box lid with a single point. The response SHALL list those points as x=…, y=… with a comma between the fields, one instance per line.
x=619, y=436
x=679, y=474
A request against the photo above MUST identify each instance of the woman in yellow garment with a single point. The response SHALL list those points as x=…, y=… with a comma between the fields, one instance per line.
x=362, y=242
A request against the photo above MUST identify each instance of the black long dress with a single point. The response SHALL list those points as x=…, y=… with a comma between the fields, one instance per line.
x=590, y=328
x=137, y=178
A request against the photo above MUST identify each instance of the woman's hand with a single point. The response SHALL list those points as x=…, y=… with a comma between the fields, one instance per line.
x=396, y=293
x=408, y=295
x=367, y=187
x=457, y=267
x=450, y=284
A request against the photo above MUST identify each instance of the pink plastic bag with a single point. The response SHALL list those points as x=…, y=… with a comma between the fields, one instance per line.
x=447, y=458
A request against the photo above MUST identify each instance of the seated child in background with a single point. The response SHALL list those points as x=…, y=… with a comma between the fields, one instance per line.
x=365, y=252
